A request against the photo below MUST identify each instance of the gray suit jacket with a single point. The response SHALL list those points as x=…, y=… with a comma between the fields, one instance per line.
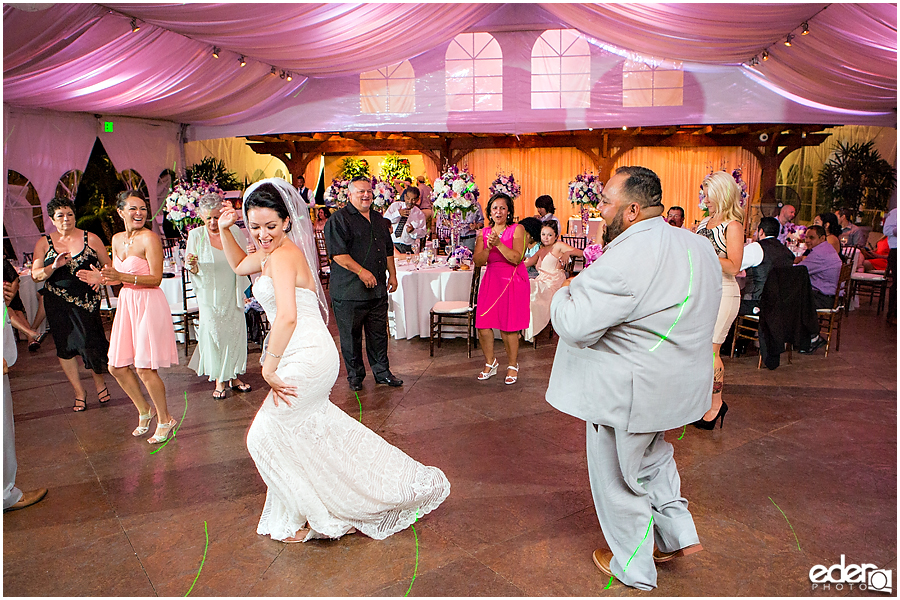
x=635, y=331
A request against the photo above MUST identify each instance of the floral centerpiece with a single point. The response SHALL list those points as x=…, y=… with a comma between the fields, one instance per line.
x=584, y=191
x=383, y=193
x=454, y=196
x=459, y=256
x=506, y=184
x=181, y=203
x=338, y=193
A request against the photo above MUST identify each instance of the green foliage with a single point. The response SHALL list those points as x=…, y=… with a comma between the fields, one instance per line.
x=95, y=201
x=354, y=167
x=394, y=167
x=856, y=177
x=212, y=170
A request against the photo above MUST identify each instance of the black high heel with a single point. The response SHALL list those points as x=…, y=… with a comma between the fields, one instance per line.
x=710, y=425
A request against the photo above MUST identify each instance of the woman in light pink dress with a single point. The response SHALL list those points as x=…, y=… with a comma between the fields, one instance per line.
x=142, y=333
x=504, y=292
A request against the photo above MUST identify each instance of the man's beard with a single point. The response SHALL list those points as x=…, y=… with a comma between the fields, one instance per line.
x=614, y=228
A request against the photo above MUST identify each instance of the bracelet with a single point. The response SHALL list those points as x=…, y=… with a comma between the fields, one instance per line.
x=135, y=280
x=272, y=355
x=361, y=269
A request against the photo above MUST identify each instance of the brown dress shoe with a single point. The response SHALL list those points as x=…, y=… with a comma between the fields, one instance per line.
x=601, y=559
x=27, y=499
x=660, y=557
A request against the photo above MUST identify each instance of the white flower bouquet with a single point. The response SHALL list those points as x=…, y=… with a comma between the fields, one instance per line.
x=181, y=204
x=338, y=192
x=455, y=191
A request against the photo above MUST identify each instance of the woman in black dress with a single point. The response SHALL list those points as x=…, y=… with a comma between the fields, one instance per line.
x=73, y=306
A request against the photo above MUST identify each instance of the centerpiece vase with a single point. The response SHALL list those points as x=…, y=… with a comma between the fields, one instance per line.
x=455, y=225
x=585, y=220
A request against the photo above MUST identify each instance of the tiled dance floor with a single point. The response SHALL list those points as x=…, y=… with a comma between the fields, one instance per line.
x=818, y=438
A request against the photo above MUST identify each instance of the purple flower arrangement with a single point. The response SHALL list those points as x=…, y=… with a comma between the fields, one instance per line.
x=455, y=191
x=506, y=184
x=338, y=192
x=585, y=189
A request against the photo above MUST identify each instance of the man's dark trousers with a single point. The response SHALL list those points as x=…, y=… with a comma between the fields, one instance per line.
x=354, y=316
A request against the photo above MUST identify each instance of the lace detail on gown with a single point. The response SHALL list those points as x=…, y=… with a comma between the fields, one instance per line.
x=322, y=466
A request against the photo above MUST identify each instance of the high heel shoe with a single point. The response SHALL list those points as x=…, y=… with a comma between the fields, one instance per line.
x=163, y=430
x=709, y=425
x=511, y=379
x=143, y=424
x=493, y=371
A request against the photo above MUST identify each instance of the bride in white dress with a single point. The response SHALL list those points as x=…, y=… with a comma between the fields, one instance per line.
x=326, y=473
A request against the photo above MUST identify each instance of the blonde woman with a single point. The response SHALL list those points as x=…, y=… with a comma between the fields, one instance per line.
x=724, y=228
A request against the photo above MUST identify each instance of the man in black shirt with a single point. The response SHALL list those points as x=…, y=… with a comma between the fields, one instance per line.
x=362, y=274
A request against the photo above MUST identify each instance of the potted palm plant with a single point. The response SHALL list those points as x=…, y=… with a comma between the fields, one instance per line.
x=856, y=177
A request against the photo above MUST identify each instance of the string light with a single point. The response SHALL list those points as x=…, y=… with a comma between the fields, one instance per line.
x=216, y=52
x=765, y=55
x=788, y=39
x=134, y=25
x=289, y=76
x=273, y=71
x=283, y=74
x=805, y=27
x=242, y=61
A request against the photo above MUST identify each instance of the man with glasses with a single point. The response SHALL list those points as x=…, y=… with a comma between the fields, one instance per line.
x=634, y=359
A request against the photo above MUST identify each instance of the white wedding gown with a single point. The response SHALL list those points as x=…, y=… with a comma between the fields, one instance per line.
x=322, y=466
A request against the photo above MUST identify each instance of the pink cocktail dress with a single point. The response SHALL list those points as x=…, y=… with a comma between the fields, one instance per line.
x=504, y=293
x=142, y=332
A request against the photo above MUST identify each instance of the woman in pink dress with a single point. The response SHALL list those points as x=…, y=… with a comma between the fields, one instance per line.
x=504, y=292
x=142, y=333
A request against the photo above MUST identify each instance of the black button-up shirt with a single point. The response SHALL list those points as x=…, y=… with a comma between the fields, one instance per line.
x=368, y=242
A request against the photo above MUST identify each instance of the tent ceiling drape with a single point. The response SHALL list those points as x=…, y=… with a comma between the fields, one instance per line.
x=72, y=57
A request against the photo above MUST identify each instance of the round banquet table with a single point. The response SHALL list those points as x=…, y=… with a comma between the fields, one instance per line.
x=417, y=292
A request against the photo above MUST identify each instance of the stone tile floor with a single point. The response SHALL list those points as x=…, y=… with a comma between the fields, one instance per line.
x=817, y=437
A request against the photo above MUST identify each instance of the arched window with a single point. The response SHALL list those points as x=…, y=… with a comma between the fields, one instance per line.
x=68, y=184
x=474, y=67
x=388, y=90
x=652, y=83
x=560, y=70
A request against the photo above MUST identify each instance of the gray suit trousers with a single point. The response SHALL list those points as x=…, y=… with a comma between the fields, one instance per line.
x=11, y=494
x=633, y=477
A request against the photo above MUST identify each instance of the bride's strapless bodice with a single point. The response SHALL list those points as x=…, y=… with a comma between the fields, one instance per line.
x=310, y=331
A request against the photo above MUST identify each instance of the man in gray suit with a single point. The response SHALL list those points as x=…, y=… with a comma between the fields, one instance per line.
x=635, y=359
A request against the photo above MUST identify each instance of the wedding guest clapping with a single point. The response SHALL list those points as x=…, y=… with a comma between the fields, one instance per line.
x=142, y=332
x=73, y=306
x=222, y=333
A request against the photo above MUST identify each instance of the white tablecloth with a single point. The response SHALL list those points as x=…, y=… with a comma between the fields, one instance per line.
x=594, y=226
x=417, y=293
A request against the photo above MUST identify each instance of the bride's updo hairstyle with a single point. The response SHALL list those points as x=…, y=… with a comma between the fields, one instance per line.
x=268, y=196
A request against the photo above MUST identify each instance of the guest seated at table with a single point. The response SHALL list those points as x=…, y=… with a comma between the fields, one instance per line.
x=221, y=352
x=73, y=306
x=15, y=307
x=546, y=211
x=408, y=222
x=552, y=259
x=142, y=333
x=532, y=227
x=322, y=214
x=851, y=235
x=832, y=230
x=675, y=217
x=876, y=260
x=824, y=266
x=759, y=259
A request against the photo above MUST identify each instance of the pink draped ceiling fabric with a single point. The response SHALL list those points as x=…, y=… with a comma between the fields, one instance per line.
x=85, y=57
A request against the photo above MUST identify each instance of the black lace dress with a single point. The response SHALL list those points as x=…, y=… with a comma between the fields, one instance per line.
x=73, y=310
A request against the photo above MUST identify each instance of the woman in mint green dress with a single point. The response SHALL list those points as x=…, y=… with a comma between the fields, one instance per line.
x=221, y=352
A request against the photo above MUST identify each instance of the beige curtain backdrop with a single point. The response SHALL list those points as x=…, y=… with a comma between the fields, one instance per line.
x=681, y=171
x=538, y=170
x=549, y=170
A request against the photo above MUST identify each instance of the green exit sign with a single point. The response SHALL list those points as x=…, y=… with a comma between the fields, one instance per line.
x=108, y=126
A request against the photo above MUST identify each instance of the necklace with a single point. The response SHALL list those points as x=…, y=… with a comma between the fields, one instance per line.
x=129, y=240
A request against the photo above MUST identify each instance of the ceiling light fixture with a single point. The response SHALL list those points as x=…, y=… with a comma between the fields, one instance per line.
x=134, y=25
x=242, y=61
x=788, y=39
x=216, y=52
x=273, y=71
x=805, y=27
x=289, y=76
x=765, y=55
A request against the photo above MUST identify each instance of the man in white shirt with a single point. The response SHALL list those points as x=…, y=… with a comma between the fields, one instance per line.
x=407, y=221
x=305, y=193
